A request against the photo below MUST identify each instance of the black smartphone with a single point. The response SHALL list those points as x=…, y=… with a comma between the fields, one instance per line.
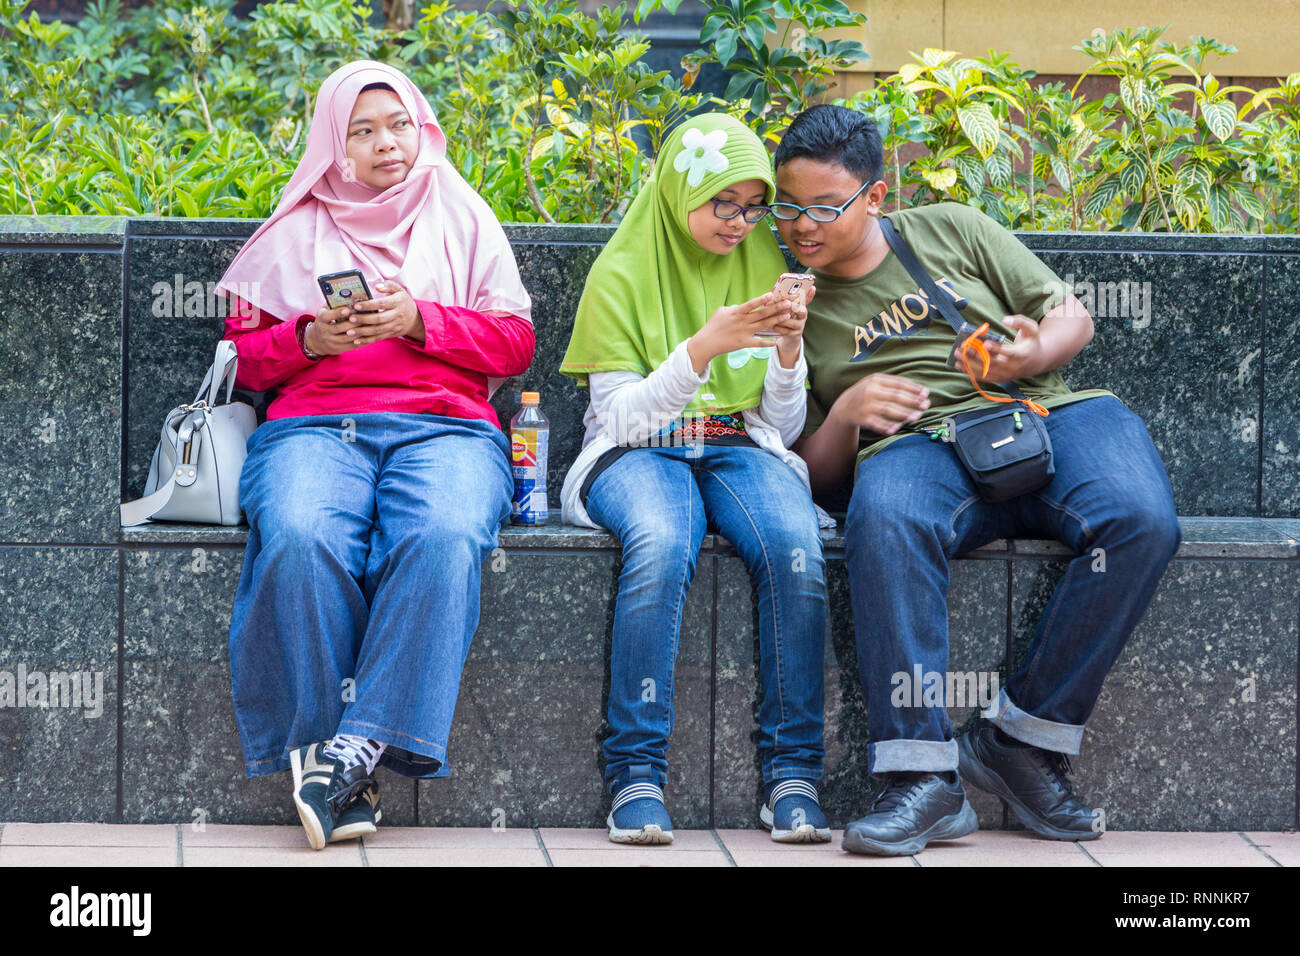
x=344, y=288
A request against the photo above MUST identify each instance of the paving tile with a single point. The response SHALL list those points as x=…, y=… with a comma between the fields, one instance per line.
x=87, y=856
x=557, y=839
x=227, y=835
x=755, y=848
x=87, y=835
x=1133, y=848
x=1283, y=847
x=452, y=839
x=343, y=854
x=638, y=856
x=752, y=839
x=459, y=856
x=1003, y=848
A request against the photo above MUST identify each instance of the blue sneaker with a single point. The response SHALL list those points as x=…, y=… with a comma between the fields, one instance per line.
x=793, y=814
x=639, y=814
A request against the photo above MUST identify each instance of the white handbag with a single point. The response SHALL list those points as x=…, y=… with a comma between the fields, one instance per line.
x=194, y=475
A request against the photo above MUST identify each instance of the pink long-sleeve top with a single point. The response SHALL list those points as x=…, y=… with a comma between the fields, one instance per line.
x=447, y=375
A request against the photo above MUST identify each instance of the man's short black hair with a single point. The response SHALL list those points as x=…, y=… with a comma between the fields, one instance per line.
x=835, y=134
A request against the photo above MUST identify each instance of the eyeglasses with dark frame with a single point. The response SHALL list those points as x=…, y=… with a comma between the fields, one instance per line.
x=789, y=212
x=726, y=209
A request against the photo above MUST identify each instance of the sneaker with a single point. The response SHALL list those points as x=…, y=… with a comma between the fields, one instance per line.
x=912, y=810
x=793, y=814
x=639, y=815
x=361, y=816
x=1030, y=780
x=312, y=773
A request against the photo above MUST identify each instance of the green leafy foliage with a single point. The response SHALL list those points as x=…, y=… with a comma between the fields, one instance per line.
x=181, y=109
x=184, y=110
x=1169, y=150
x=776, y=57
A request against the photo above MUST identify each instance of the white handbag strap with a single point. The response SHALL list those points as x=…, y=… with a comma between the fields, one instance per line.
x=223, y=369
x=142, y=509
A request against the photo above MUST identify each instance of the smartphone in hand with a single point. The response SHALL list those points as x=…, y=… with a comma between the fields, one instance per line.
x=344, y=288
x=791, y=285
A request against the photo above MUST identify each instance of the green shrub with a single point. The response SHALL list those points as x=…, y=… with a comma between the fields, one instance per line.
x=182, y=109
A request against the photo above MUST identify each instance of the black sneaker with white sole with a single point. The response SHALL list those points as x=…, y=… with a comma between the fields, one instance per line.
x=312, y=773
x=361, y=816
x=1031, y=781
x=914, y=809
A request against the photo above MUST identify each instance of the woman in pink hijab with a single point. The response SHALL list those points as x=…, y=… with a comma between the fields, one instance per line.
x=376, y=486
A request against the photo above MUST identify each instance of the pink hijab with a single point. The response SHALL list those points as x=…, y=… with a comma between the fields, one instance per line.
x=431, y=232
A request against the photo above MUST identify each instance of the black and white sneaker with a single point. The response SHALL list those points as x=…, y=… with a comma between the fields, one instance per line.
x=361, y=816
x=913, y=810
x=312, y=772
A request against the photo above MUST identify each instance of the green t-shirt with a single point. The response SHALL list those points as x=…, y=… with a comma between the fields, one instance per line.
x=881, y=322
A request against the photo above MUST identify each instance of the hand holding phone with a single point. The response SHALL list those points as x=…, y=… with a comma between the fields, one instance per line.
x=344, y=288
x=798, y=287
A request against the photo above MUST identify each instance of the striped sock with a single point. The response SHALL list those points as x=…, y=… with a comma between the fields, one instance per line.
x=637, y=791
x=793, y=787
x=354, y=751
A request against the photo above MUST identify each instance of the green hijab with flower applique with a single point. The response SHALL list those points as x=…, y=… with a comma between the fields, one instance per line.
x=653, y=286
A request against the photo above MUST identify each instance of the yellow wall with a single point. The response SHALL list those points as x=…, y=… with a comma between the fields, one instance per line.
x=1039, y=34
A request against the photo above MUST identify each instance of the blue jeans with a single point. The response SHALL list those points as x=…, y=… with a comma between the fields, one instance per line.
x=659, y=502
x=359, y=593
x=914, y=508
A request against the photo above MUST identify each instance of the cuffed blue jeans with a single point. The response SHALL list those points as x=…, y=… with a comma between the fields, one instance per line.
x=359, y=594
x=914, y=508
x=659, y=502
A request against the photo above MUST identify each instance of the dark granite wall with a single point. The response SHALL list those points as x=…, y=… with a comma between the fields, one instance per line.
x=1187, y=350
x=1177, y=742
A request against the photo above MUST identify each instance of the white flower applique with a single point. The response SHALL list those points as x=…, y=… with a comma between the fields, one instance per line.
x=701, y=153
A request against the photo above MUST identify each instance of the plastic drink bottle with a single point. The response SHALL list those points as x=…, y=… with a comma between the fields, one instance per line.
x=530, y=434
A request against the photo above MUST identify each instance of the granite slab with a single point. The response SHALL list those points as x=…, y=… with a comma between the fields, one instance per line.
x=58, y=684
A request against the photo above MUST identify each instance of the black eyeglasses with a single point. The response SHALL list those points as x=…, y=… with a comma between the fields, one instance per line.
x=788, y=211
x=725, y=209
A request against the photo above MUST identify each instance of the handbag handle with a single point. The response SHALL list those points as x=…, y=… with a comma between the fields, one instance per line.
x=223, y=369
x=923, y=279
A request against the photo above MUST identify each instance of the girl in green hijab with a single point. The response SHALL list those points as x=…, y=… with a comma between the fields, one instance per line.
x=696, y=375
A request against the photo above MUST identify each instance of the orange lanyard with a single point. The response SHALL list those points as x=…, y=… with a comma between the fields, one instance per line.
x=975, y=343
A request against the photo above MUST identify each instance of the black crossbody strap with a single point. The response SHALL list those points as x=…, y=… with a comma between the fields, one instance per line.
x=925, y=282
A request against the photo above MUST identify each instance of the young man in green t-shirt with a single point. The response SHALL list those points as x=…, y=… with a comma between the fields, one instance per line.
x=877, y=352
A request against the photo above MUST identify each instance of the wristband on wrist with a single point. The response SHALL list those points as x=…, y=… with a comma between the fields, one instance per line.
x=302, y=342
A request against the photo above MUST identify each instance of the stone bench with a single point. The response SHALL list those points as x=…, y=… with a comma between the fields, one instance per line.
x=1196, y=728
